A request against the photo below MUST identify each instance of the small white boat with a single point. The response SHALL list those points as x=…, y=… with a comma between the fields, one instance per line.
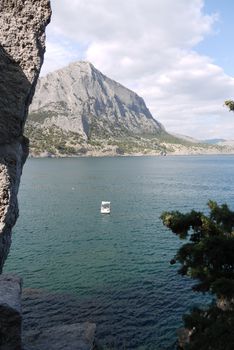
x=105, y=207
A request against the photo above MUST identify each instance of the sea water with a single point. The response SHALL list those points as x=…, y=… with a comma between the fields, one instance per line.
x=112, y=269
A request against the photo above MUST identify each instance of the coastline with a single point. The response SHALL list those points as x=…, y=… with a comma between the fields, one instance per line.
x=150, y=154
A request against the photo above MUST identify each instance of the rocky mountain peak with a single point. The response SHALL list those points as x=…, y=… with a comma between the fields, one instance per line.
x=81, y=99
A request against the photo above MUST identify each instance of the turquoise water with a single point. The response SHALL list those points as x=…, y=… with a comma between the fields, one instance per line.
x=116, y=267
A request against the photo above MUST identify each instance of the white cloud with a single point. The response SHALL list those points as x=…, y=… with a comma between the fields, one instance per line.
x=58, y=56
x=148, y=46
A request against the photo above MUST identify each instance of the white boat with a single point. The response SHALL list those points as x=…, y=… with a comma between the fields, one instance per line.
x=105, y=207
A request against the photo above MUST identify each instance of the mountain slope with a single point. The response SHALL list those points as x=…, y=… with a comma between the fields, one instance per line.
x=81, y=99
x=79, y=111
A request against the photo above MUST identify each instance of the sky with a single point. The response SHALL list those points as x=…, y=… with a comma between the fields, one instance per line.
x=177, y=54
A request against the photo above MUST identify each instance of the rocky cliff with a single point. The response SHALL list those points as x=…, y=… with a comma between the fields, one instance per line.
x=22, y=46
x=77, y=110
x=79, y=98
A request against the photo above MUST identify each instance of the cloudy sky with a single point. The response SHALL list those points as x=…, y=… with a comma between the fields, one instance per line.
x=177, y=54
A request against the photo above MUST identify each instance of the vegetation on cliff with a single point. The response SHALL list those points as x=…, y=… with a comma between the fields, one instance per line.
x=51, y=140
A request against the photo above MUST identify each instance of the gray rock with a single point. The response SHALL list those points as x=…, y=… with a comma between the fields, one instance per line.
x=22, y=46
x=79, y=98
x=10, y=312
x=79, y=336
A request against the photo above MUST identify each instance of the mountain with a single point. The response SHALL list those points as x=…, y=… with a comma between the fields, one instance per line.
x=79, y=98
x=77, y=110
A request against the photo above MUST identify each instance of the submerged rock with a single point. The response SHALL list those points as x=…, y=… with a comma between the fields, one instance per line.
x=78, y=336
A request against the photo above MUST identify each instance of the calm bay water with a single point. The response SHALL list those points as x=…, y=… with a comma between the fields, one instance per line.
x=114, y=269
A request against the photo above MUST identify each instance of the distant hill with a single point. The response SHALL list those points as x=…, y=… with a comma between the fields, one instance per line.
x=77, y=110
x=186, y=138
x=213, y=141
x=220, y=142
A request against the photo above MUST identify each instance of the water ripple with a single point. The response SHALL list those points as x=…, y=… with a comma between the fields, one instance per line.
x=113, y=270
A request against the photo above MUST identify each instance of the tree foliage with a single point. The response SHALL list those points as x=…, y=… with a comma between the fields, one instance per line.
x=212, y=329
x=208, y=254
x=207, y=257
x=229, y=104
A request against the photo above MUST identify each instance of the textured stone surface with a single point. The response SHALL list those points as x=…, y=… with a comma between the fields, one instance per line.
x=22, y=40
x=79, y=98
x=10, y=312
x=79, y=336
x=22, y=46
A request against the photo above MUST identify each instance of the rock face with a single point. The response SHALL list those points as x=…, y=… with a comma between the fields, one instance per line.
x=22, y=46
x=10, y=311
x=79, y=98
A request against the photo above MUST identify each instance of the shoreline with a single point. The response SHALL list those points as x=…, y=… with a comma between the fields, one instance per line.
x=174, y=154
